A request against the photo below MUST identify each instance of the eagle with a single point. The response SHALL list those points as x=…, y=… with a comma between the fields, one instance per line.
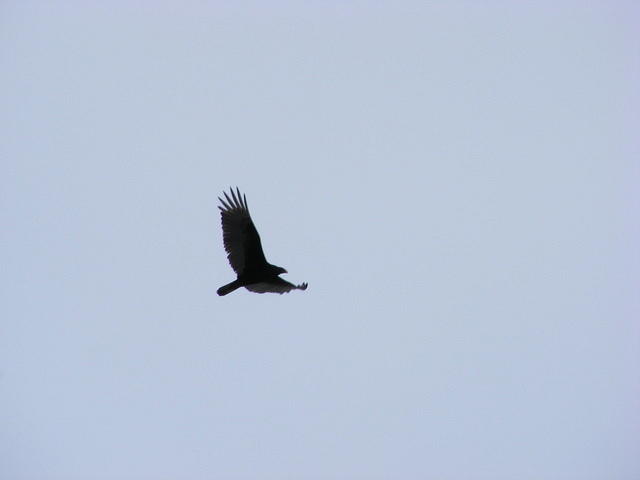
x=244, y=251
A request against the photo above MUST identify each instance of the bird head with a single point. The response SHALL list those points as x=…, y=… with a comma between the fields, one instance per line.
x=278, y=270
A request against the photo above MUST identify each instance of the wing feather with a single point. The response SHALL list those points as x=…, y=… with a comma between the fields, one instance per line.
x=277, y=285
x=241, y=239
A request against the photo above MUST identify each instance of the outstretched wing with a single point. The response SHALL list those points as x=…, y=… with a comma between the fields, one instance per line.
x=241, y=239
x=275, y=286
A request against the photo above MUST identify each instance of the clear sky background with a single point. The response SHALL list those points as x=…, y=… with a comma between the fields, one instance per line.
x=457, y=181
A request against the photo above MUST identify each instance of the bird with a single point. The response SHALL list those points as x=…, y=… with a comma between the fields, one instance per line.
x=244, y=251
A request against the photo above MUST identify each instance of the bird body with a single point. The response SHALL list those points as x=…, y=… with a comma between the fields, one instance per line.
x=244, y=251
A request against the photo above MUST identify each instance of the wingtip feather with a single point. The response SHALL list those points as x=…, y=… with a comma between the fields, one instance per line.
x=235, y=200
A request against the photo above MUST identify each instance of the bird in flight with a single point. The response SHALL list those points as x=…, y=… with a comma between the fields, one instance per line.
x=244, y=251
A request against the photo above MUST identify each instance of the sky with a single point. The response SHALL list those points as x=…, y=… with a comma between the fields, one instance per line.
x=456, y=181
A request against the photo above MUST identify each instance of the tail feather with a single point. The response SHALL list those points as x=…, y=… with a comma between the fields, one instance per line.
x=229, y=287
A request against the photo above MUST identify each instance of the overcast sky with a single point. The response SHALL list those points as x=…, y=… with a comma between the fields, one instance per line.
x=457, y=181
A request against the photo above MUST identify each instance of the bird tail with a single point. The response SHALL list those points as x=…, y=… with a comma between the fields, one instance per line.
x=229, y=287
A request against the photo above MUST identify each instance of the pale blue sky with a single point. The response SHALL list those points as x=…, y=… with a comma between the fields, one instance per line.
x=457, y=181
